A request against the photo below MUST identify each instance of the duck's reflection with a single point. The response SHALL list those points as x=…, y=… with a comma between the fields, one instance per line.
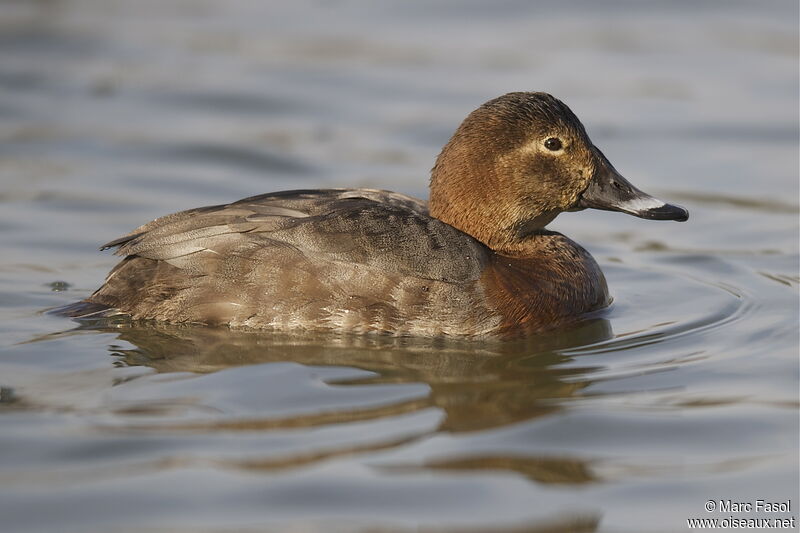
x=476, y=385
x=479, y=385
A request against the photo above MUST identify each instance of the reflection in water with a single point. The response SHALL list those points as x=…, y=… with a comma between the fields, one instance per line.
x=474, y=385
x=275, y=407
x=582, y=523
x=479, y=385
x=552, y=470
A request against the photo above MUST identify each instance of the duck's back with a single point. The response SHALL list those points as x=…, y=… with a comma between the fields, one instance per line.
x=344, y=260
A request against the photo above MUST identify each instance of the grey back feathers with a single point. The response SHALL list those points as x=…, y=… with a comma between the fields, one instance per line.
x=349, y=258
x=380, y=228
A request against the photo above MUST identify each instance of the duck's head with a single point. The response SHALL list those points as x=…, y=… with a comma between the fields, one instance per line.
x=518, y=161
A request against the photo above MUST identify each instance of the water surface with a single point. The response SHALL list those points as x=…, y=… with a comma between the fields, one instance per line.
x=684, y=391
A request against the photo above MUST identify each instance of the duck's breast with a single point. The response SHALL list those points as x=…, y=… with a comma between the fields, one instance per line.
x=555, y=282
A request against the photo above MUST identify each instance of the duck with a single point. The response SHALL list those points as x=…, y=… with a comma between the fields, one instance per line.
x=476, y=260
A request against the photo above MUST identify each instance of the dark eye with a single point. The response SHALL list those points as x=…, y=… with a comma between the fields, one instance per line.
x=553, y=144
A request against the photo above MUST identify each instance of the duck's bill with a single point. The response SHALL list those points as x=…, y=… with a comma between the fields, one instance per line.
x=609, y=191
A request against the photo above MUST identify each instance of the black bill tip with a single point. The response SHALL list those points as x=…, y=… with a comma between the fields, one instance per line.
x=650, y=209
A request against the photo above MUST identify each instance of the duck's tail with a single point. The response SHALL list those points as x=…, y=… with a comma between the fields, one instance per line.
x=84, y=309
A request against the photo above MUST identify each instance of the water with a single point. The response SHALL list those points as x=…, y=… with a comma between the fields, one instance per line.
x=686, y=390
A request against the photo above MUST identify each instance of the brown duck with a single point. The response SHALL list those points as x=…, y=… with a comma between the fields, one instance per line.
x=475, y=261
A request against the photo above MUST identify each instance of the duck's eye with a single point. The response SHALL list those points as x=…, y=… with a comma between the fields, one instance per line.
x=553, y=144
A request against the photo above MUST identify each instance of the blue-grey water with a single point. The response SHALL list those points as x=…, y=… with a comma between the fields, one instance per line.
x=115, y=112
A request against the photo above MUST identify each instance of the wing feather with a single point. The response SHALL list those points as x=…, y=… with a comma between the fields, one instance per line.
x=377, y=229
